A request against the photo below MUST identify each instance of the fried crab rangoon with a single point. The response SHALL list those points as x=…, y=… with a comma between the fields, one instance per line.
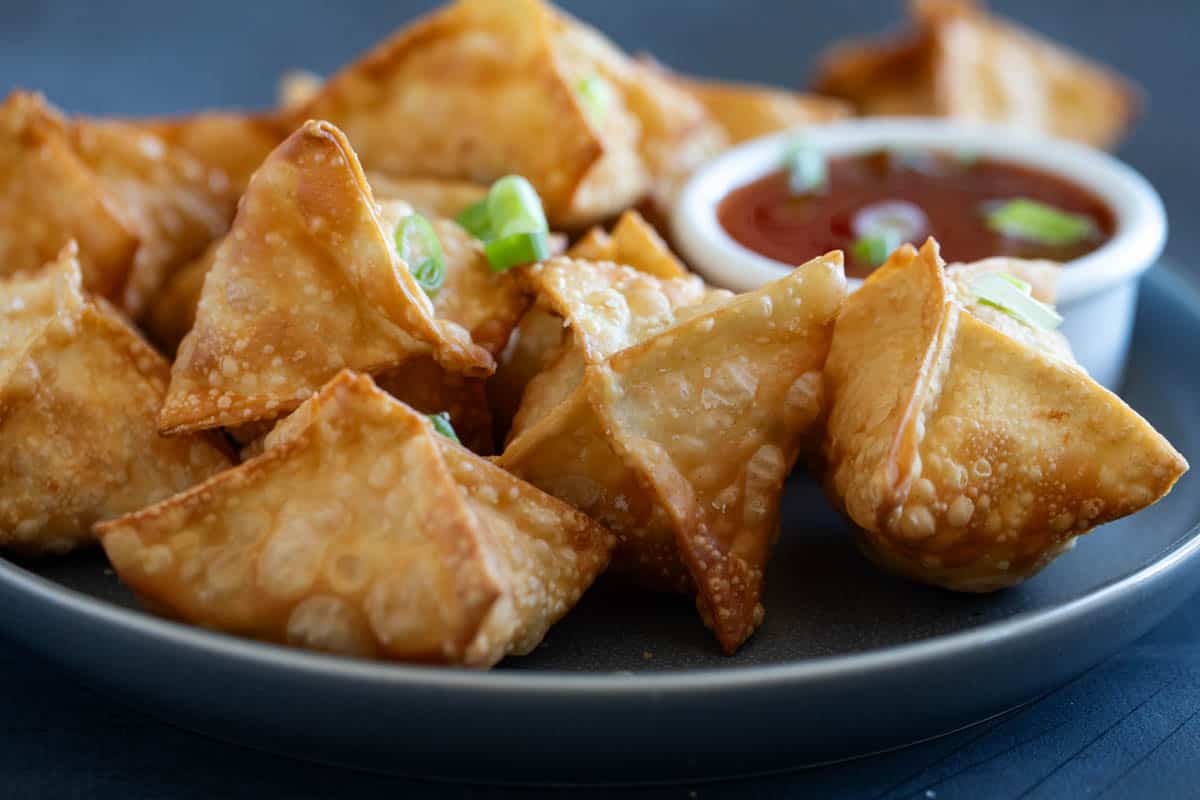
x=968, y=445
x=307, y=282
x=484, y=88
x=960, y=61
x=79, y=396
x=49, y=196
x=361, y=531
x=679, y=435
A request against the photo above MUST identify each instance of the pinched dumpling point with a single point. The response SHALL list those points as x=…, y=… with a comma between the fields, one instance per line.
x=966, y=443
x=307, y=282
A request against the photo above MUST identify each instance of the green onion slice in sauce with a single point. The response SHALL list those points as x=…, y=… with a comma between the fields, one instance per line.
x=441, y=424
x=805, y=165
x=1013, y=296
x=1032, y=221
x=421, y=250
x=873, y=250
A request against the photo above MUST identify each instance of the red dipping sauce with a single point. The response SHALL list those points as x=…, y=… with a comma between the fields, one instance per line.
x=954, y=193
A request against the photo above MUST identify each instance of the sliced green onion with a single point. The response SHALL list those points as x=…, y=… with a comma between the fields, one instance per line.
x=805, y=165
x=514, y=207
x=874, y=250
x=1036, y=222
x=421, y=250
x=597, y=96
x=475, y=220
x=441, y=424
x=1012, y=296
x=516, y=249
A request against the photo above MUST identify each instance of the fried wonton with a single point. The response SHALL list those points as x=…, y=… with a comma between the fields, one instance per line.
x=633, y=242
x=361, y=531
x=484, y=88
x=746, y=110
x=173, y=310
x=680, y=443
x=79, y=394
x=959, y=61
x=50, y=196
x=969, y=446
x=602, y=308
x=307, y=282
x=431, y=197
x=175, y=203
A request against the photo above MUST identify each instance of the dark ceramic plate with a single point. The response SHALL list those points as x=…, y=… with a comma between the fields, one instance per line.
x=631, y=686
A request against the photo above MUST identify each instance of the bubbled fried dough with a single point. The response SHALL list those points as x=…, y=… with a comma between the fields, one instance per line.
x=970, y=447
x=681, y=442
x=79, y=395
x=359, y=530
x=306, y=283
x=49, y=196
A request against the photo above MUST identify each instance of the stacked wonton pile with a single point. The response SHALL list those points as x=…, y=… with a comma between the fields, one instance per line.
x=311, y=467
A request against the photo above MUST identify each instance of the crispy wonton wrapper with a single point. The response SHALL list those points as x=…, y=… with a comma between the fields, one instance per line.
x=174, y=203
x=50, y=196
x=746, y=110
x=361, y=531
x=484, y=88
x=306, y=283
x=173, y=311
x=970, y=447
x=634, y=243
x=603, y=308
x=681, y=442
x=959, y=61
x=79, y=393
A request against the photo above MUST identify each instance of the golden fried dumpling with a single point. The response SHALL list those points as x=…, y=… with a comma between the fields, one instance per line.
x=746, y=110
x=174, y=203
x=484, y=88
x=172, y=312
x=79, y=396
x=487, y=303
x=307, y=282
x=680, y=443
x=634, y=243
x=361, y=531
x=50, y=196
x=430, y=197
x=968, y=445
x=599, y=309
x=959, y=61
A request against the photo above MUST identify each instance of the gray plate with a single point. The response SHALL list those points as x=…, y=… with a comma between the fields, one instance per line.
x=631, y=686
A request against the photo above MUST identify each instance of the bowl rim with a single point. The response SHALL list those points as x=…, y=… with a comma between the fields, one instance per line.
x=1136, y=244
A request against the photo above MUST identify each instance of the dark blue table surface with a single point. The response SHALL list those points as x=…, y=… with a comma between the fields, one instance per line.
x=1128, y=728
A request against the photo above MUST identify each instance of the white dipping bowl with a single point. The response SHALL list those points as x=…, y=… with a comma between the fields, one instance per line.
x=1097, y=293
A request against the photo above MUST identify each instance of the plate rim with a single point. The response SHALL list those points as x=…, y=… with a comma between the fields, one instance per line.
x=16, y=578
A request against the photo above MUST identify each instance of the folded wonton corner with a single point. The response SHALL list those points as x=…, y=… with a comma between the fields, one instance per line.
x=520, y=89
x=50, y=196
x=361, y=531
x=676, y=425
x=79, y=397
x=959, y=61
x=970, y=447
x=306, y=283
